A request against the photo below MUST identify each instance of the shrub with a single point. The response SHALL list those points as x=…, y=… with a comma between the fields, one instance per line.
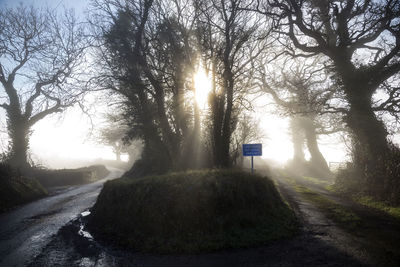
x=349, y=180
x=379, y=179
x=16, y=189
x=191, y=211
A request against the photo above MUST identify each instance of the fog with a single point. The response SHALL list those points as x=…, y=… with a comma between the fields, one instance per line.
x=71, y=139
x=169, y=103
x=68, y=140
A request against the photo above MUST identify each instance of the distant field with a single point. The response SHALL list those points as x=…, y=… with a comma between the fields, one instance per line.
x=64, y=177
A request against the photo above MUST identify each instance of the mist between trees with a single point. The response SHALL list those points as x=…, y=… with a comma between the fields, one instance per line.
x=331, y=66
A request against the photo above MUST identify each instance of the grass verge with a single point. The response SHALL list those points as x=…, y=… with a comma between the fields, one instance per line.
x=344, y=216
x=379, y=205
x=367, y=201
x=379, y=234
x=334, y=211
x=192, y=212
x=317, y=181
x=16, y=189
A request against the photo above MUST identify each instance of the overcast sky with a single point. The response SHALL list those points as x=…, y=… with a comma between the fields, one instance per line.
x=78, y=5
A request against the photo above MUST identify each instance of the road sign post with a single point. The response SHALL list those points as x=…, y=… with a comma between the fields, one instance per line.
x=252, y=165
x=252, y=150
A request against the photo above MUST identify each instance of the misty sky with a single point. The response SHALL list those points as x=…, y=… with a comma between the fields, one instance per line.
x=78, y=5
x=62, y=140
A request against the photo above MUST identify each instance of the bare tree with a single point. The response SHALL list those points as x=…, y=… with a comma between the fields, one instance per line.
x=113, y=135
x=40, y=59
x=362, y=40
x=148, y=56
x=246, y=131
x=151, y=50
x=229, y=42
x=302, y=90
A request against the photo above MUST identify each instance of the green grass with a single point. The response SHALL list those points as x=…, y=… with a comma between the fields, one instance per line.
x=342, y=215
x=316, y=181
x=379, y=205
x=192, y=212
x=367, y=201
x=336, y=212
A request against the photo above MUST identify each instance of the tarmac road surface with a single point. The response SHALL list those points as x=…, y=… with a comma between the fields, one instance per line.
x=24, y=232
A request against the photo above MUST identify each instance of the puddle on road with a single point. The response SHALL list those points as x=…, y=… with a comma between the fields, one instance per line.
x=81, y=231
x=84, y=233
x=85, y=213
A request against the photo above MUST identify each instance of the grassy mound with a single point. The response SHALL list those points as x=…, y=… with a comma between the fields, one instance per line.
x=16, y=189
x=191, y=212
x=65, y=177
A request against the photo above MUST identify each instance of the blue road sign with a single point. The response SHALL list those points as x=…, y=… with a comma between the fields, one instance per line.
x=252, y=149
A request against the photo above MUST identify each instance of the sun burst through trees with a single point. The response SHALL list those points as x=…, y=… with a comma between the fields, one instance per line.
x=202, y=85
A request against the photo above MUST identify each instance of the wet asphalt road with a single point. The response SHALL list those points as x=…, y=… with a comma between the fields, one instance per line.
x=24, y=232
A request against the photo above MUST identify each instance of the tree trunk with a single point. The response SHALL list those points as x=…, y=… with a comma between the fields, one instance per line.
x=168, y=136
x=227, y=130
x=19, y=134
x=217, y=138
x=197, y=148
x=370, y=132
x=217, y=113
x=118, y=156
x=179, y=105
x=297, y=140
x=221, y=134
x=155, y=155
x=318, y=162
x=359, y=86
x=370, y=143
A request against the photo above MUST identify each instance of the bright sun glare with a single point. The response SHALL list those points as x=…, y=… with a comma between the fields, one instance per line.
x=202, y=87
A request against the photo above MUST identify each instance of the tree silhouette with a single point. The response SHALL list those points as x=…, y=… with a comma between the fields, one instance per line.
x=40, y=57
x=362, y=41
x=302, y=91
x=229, y=42
x=148, y=57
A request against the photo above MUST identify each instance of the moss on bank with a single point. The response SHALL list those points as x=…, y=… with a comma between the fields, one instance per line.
x=192, y=212
x=16, y=189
